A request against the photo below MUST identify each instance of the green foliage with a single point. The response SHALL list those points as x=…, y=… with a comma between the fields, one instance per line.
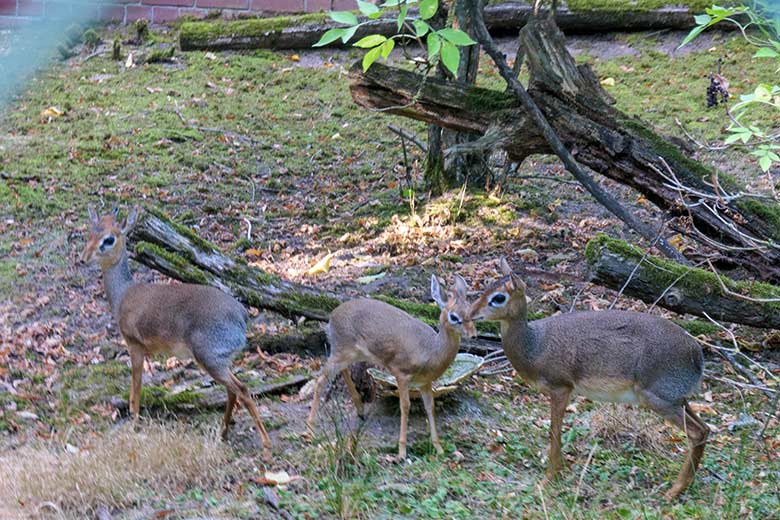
x=760, y=26
x=443, y=45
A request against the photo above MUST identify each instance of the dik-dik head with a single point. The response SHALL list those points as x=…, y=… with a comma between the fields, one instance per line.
x=455, y=309
x=106, y=241
x=503, y=300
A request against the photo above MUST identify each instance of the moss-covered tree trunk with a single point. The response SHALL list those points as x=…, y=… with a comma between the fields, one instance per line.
x=618, y=146
x=683, y=289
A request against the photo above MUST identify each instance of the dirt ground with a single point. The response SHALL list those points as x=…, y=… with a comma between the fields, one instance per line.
x=319, y=175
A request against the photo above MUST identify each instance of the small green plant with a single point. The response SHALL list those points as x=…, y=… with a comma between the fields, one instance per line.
x=440, y=45
x=759, y=24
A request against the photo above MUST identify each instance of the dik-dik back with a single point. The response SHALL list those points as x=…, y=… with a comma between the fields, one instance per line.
x=605, y=355
x=385, y=334
x=180, y=316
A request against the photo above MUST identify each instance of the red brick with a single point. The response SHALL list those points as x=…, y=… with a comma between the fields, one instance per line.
x=115, y=13
x=165, y=14
x=314, y=6
x=278, y=6
x=180, y=3
x=223, y=4
x=30, y=8
x=193, y=12
x=136, y=12
x=8, y=7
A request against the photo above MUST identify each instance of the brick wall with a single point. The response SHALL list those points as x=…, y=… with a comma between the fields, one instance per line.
x=13, y=12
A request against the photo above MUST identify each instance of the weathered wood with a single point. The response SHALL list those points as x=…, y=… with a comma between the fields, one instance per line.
x=618, y=146
x=683, y=289
x=304, y=31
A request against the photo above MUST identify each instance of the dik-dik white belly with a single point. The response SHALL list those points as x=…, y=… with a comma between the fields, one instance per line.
x=610, y=390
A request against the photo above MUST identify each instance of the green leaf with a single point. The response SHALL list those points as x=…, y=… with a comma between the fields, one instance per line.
x=733, y=138
x=450, y=56
x=702, y=19
x=766, y=52
x=765, y=163
x=343, y=17
x=420, y=28
x=693, y=34
x=370, y=57
x=331, y=35
x=367, y=8
x=762, y=93
x=434, y=44
x=371, y=277
x=774, y=157
x=428, y=8
x=372, y=40
x=402, y=15
x=456, y=36
x=387, y=48
x=391, y=3
x=349, y=32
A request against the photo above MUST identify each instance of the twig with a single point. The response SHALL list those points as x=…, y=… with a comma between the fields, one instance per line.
x=636, y=267
x=248, y=229
x=585, y=470
x=769, y=416
x=694, y=141
x=408, y=135
x=546, y=178
x=737, y=295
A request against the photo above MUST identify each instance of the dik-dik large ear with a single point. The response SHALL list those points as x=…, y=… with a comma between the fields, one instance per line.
x=461, y=287
x=130, y=220
x=436, y=292
x=504, y=266
x=93, y=216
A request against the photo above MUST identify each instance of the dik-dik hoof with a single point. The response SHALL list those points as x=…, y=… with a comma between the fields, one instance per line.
x=267, y=455
x=439, y=449
x=674, y=493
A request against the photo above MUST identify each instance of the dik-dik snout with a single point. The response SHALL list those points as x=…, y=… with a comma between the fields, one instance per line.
x=106, y=239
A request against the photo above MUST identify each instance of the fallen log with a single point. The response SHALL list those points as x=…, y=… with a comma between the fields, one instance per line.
x=301, y=32
x=686, y=290
x=711, y=205
x=186, y=398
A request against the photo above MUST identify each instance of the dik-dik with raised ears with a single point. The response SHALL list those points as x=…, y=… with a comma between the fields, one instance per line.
x=612, y=356
x=366, y=330
x=180, y=319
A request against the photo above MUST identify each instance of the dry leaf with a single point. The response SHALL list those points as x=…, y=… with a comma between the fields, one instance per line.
x=295, y=57
x=51, y=113
x=608, y=82
x=130, y=62
x=323, y=266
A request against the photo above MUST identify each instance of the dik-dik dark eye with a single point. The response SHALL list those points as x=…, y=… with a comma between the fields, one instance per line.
x=107, y=242
x=498, y=300
x=454, y=319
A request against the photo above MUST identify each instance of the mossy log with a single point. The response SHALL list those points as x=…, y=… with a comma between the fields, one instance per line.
x=611, y=143
x=687, y=290
x=176, y=251
x=301, y=32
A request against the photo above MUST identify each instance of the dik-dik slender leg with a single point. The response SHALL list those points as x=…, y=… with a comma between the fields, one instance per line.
x=243, y=395
x=231, y=402
x=353, y=392
x=328, y=372
x=427, y=397
x=137, y=370
x=403, y=397
x=559, y=399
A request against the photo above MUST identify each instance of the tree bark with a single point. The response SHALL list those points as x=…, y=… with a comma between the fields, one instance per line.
x=618, y=146
x=682, y=289
x=303, y=32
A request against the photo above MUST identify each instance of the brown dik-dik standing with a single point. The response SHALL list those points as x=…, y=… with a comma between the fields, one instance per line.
x=366, y=330
x=180, y=319
x=613, y=356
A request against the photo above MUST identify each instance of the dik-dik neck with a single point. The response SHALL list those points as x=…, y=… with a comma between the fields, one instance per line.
x=519, y=339
x=446, y=346
x=116, y=280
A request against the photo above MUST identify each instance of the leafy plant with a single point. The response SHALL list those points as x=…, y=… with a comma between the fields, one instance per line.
x=438, y=45
x=759, y=24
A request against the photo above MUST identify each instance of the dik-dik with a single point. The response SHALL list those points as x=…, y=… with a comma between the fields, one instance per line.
x=366, y=330
x=612, y=356
x=179, y=319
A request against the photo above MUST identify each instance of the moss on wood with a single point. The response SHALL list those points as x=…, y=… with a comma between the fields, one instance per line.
x=185, y=269
x=664, y=273
x=197, y=34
